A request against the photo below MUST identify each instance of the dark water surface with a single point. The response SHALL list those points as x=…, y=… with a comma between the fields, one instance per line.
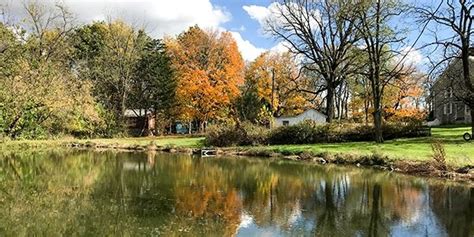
x=84, y=193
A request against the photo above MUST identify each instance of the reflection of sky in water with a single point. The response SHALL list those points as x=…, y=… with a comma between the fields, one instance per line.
x=297, y=224
x=422, y=222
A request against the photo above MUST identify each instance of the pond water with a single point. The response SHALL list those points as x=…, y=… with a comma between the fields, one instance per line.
x=85, y=193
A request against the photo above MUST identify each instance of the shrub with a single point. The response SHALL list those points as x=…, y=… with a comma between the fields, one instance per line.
x=236, y=135
x=301, y=133
x=253, y=134
x=307, y=132
x=439, y=156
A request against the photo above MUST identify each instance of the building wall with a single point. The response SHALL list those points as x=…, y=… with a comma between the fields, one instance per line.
x=446, y=107
x=452, y=112
x=307, y=115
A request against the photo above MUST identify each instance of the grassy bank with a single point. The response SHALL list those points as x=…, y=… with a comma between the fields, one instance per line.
x=458, y=152
x=172, y=141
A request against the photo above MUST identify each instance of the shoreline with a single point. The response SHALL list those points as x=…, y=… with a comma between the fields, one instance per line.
x=429, y=169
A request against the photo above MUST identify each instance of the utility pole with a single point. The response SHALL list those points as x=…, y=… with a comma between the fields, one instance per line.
x=273, y=97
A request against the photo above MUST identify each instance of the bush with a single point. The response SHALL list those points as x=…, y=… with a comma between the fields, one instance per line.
x=307, y=132
x=236, y=135
x=301, y=133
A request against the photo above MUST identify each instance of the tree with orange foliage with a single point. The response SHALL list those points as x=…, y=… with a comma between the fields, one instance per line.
x=402, y=99
x=209, y=68
x=270, y=81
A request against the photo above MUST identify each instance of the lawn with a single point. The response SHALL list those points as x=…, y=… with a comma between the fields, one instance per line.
x=458, y=151
x=177, y=141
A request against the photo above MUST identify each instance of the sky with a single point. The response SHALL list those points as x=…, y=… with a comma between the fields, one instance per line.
x=243, y=18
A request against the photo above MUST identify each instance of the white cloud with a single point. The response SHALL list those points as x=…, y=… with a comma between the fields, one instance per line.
x=159, y=17
x=258, y=13
x=281, y=47
x=273, y=14
x=413, y=57
x=263, y=15
x=247, y=49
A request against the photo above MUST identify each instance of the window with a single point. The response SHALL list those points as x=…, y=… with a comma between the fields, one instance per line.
x=445, y=109
x=450, y=108
x=466, y=109
x=286, y=122
x=450, y=92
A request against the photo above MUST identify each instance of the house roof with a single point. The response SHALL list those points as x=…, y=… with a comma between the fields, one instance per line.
x=303, y=113
x=135, y=113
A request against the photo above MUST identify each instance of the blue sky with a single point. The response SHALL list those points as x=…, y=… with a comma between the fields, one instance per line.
x=245, y=14
x=242, y=22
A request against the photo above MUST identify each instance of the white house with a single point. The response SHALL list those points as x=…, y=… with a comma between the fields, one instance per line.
x=310, y=114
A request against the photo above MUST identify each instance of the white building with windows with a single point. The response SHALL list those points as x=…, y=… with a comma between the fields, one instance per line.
x=310, y=114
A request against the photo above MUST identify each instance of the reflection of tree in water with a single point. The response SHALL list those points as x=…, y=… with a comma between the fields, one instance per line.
x=454, y=208
x=330, y=202
x=167, y=194
x=376, y=222
x=48, y=193
x=133, y=193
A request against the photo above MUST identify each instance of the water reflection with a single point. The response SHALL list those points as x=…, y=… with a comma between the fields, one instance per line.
x=108, y=193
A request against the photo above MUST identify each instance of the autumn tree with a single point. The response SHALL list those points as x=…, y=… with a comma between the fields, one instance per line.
x=402, y=99
x=270, y=84
x=40, y=95
x=107, y=54
x=209, y=69
x=321, y=32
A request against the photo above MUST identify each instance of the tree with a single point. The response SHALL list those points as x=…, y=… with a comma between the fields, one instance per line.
x=322, y=32
x=154, y=83
x=107, y=54
x=39, y=93
x=402, y=99
x=270, y=84
x=210, y=71
x=380, y=43
x=455, y=17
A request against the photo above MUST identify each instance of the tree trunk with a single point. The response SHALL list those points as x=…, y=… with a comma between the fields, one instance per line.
x=201, y=127
x=366, y=111
x=330, y=104
x=378, y=125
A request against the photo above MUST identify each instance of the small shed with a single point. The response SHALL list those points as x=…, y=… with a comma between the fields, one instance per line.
x=310, y=114
x=140, y=122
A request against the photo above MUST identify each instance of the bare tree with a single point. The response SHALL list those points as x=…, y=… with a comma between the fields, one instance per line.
x=455, y=17
x=380, y=43
x=321, y=32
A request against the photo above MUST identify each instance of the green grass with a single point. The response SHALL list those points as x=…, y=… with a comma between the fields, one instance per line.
x=188, y=142
x=458, y=152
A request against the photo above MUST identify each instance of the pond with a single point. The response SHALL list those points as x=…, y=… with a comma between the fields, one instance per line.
x=91, y=193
